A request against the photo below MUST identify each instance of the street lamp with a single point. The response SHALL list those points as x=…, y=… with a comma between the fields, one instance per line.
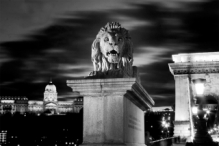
x=199, y=86
x=195, y=110
x=202, y=136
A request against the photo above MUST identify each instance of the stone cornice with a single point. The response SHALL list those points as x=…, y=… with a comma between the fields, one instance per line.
x=138, y=89
x=101, y=87
x=196, y=57
x=129, y=87
x=194, y=67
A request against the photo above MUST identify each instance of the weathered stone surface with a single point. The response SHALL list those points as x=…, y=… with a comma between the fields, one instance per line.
x=113, y=110
x=111, y=87
x=182, y=98
x=195, y=63
x=182, y=129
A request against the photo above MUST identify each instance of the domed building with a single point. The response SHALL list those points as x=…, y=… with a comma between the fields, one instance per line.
x=50, y=97
x=49, y=104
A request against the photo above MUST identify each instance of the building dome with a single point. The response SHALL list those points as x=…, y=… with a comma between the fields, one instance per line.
x=50, y=87
x=50, y=94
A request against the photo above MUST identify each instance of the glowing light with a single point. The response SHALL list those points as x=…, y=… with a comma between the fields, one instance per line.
x=208, y=112
x=194, y=110
x=199, y=86
x=7, y=101
x=166, y=125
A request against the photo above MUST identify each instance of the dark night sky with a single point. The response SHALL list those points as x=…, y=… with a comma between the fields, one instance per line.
x=42, y=39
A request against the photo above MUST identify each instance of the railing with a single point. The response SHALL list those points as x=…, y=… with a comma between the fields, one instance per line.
x=165, y=141
x=171, y=141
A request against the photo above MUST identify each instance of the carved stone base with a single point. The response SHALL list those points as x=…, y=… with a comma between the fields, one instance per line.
x=117, y=73
x=113, y=111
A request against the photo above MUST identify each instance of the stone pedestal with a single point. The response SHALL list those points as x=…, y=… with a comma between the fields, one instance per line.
x=113, y=111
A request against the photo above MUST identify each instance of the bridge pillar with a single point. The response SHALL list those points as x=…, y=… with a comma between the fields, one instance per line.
x=185, y=68
x=182, y=123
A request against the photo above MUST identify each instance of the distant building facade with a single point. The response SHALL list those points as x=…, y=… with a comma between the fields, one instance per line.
x=49, y=104
x=159, y=122
x=13, y=104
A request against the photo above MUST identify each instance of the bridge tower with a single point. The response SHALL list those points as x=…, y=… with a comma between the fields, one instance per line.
x=187, y=67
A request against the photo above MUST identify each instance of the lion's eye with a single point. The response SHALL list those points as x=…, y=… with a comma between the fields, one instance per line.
x=120, y=39
x=106, y=39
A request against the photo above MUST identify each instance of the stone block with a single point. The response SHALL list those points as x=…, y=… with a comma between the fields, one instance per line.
x=113, y=111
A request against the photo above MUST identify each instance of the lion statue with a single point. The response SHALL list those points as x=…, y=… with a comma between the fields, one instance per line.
x=112, y=52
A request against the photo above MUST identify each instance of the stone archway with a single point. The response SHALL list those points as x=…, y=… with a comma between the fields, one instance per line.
x=185, y=68
x=210, y=105
x=211, y=102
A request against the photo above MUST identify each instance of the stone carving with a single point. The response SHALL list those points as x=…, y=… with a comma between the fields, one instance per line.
x=112, y=52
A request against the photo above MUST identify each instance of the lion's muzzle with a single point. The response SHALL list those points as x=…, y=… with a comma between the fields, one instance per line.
x=113, y=56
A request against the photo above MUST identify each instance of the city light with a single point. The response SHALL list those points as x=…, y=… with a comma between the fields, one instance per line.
x=208, y=111
x=195, y=110
x=167, y=125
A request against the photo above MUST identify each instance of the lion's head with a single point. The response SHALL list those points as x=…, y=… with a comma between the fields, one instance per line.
x=112, y=49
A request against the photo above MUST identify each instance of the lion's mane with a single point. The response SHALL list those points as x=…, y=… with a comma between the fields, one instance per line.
x=101, y=64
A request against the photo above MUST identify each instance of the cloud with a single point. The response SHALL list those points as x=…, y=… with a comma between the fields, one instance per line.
x=69, y=96
x=4, y=57
x=58, y=45
x=20, y=17
x=75, y=70
x=131, y=23
x=150, y=55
